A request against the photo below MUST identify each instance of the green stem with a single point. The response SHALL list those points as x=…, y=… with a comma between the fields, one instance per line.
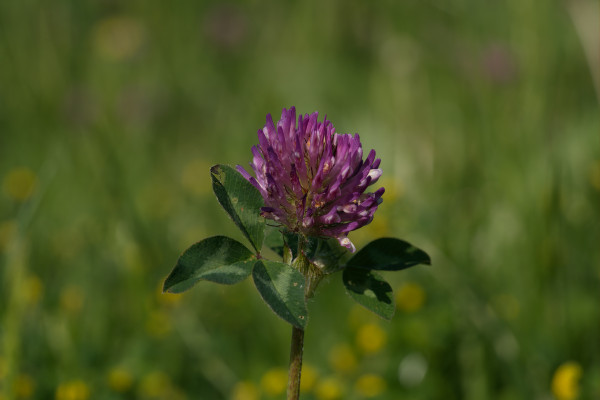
x=296, y=350
x=312, y=277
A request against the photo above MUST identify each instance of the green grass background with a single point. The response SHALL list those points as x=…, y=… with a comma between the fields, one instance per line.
x=485, y=115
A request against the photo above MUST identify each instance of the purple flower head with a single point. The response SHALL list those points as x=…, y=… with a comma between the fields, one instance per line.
x=312, y=179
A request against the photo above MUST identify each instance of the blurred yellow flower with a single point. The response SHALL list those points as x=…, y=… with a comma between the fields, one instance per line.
x=24, y=386
x=32, y=290
x=370, y=338
x=370, y=385
x=565, y=383
x=119, y=379
x=155, y=384
x=158, y=324
x=7, y=231
x=274, y=381
x=308, y=378
x=410, y=297
x=342, y=358
x=329, y=389
x=595, y=175
x=71, y=299
x=118, y=38
x=245, y=390
x=19, y=183
x=73, y=390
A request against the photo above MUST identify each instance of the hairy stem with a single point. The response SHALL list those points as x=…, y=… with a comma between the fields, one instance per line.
x=297, y=347
x=312, y=276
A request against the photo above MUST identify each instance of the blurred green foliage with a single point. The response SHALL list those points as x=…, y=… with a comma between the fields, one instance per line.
x=485, y=116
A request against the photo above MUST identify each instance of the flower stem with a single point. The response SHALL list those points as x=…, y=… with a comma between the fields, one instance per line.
x=296, y=350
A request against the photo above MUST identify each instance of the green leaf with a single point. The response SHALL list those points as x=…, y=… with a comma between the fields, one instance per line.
x=241, y=200
x=369, y=290
x=217, y=259
x=282, y=288
x=388, y=254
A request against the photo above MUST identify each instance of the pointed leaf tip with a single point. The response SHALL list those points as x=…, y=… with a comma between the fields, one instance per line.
x=241, y=200
x=217, y=259
x=389, y=254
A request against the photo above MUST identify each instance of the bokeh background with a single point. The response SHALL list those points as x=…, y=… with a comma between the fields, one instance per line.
x=485, y=115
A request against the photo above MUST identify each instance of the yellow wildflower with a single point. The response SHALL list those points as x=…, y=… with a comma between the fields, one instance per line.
x=120, y=379
x=370, y=385
x=565, y=383
x=73, y=390
x=245, y=390
x=410, y=297
x=24, y=386
x=370, y=338
x=20, y=183
x=329, y=389
x=342, y=358
x=595, y=175
x=71, y=299
x=308, y=378
x=33, y=289
x=274, y=381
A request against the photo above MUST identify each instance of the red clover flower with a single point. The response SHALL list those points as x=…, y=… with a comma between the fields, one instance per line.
x=312, y=179
x=313, y=182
